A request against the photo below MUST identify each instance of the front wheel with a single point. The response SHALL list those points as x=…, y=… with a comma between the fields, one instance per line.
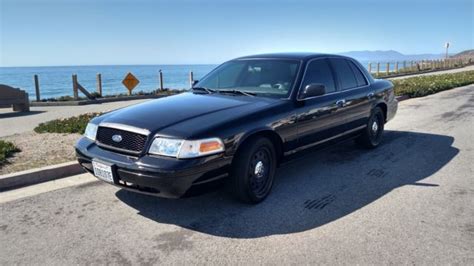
x=372, y=135
x=253, y=170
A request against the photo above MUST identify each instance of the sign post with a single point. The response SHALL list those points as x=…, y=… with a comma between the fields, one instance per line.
x=130, y=82
x=446, y=45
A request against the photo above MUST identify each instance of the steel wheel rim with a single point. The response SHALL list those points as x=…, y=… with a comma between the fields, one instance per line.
x=259, y=171
x=376, y=128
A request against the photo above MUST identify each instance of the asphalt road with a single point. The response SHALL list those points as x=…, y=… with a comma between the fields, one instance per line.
x=449, y=71
x=410, y=201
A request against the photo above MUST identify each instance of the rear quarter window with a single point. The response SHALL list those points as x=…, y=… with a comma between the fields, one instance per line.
x=361, y=81
x=345, y=75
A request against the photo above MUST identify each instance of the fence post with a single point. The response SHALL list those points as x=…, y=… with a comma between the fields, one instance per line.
x=161, y=80
x=99, y=84
x=37, y=88
x=191, y=79
x=411, y=67
x=405, y=66
x=388, y=69
x=396, y=67
x=370, y=68
x=378, y=68
x=74, y=87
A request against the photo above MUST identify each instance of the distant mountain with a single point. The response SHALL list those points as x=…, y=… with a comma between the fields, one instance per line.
x=464, y=54
x=389, y=55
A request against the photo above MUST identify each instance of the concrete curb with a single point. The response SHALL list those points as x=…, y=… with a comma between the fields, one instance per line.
x=39, y=175
x=402, y=98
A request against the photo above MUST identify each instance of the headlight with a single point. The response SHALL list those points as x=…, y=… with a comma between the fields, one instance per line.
x=91, y=131
x=186, y=148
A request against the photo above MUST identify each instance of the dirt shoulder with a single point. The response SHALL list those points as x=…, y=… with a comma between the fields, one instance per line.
x=39, y=150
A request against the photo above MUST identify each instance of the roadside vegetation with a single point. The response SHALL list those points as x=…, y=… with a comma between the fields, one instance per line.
x=75, y=124
x=7, y=149
x=426, y=85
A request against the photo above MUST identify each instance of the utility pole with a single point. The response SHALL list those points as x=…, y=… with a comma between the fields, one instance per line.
x=446, y=45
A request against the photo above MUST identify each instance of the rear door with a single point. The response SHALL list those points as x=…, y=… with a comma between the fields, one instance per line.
x=354, y=92
x=319, y=117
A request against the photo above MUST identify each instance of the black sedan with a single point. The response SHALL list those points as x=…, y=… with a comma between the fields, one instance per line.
x=239, y=122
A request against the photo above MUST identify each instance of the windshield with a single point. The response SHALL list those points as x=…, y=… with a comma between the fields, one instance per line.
x=264, y=77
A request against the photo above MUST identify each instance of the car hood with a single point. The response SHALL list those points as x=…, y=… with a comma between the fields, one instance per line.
x=159, y=114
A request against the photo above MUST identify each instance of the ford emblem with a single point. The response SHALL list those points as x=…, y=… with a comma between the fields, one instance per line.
x=117, y=138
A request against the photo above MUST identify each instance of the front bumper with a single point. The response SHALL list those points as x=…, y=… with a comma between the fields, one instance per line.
x=156, y=175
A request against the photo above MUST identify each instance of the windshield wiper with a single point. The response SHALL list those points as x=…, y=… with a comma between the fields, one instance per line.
x=204, y=89
x=246, y=93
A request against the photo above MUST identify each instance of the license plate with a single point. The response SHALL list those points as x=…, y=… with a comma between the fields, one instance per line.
x=103, y=171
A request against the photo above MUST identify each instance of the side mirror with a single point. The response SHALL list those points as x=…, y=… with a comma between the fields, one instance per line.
x=195, y=82
x=313, y=89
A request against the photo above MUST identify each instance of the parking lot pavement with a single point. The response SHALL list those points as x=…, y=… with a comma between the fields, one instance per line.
x=409, y=201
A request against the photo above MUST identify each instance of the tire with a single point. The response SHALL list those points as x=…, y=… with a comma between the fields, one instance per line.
x=253, y=170
x=371, y=136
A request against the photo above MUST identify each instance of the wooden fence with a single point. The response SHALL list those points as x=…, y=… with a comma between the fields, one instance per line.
x=412, y=67
x=77, y=87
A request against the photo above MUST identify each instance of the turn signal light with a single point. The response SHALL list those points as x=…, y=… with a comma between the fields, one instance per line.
x=210, y=146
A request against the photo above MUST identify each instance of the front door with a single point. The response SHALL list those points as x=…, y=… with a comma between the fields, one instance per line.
x=319, y=118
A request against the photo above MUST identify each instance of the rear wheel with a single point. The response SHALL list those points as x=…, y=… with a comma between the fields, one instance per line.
x=372, y=135
x=253, y=170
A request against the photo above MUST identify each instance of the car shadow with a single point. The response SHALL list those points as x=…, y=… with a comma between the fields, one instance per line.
x=313, y=190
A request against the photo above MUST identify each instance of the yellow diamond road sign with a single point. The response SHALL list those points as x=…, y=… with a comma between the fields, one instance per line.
x=130, y=82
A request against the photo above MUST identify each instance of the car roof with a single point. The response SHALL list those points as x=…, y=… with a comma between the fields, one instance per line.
x=295, y=55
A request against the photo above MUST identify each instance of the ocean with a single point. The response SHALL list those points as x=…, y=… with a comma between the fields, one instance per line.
x=57, y=81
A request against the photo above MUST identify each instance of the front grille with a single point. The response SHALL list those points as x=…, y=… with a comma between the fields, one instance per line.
x=131, y=142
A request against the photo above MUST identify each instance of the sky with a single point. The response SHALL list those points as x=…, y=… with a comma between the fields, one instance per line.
x=105, y=32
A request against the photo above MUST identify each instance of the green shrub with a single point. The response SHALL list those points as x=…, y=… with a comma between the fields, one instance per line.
x=76, y=124
x=425, y=85
x=6, y=150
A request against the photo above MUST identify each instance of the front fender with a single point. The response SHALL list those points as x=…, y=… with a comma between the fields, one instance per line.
x=241, y=137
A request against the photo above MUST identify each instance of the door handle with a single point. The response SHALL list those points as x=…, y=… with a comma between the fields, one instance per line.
x=370, y=95
x=341, y=103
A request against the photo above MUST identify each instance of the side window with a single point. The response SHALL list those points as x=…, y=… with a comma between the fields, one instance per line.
x=358, y=74
x=344, y=73
x=318, y=71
